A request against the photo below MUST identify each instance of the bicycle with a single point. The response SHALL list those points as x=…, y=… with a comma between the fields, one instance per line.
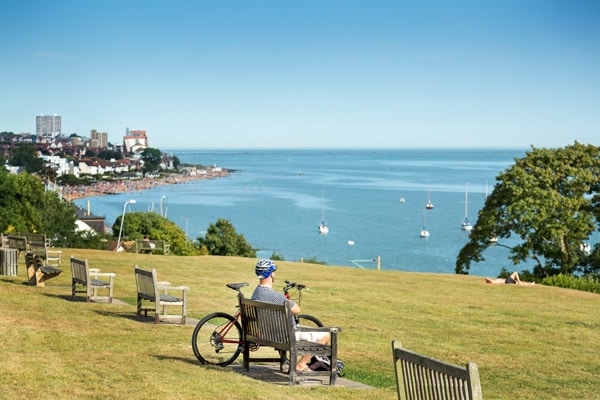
x=217, y=338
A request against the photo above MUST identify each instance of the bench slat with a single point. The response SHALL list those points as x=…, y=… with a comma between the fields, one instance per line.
x=421, y=377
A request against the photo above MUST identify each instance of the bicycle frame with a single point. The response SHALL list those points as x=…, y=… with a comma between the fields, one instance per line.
x=222, y=334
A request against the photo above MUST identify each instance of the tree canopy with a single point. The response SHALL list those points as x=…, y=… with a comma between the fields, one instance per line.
x=221, y=239
x=25, y=207
x=139, y=224
x=152, y=159
x=24, y=155
x=549, y=201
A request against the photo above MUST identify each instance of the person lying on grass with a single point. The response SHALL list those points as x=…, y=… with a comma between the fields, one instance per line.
x=513, y=279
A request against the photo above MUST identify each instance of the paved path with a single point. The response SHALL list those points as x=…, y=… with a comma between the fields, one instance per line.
x=271, y=374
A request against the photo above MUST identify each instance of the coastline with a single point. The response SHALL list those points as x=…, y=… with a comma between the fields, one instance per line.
x=104, y=188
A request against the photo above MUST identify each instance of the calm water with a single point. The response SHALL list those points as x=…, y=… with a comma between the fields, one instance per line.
x=276, y=199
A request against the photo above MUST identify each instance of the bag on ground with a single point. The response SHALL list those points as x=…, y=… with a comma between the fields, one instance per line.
x=323, y=363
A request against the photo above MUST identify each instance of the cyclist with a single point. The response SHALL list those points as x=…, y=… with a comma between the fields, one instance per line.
x=265, y=270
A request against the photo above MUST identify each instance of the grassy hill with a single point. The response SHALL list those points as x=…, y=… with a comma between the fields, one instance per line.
x=529, y=342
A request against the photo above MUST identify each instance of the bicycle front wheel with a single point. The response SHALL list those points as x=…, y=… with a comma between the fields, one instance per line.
x=217, y=339
x=309, y=320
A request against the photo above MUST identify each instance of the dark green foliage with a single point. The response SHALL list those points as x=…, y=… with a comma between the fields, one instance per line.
x=585, y=283
x=152, y=159
x=140, y=224
x=277, y=256
x=550, y=201
x=221, y=239
x=313, y=260
x=110, y=154
x=24, y=155
x=25, y=207
x=176, y=162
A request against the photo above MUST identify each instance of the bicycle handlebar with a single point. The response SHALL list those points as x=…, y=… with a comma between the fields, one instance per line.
x=290, y=285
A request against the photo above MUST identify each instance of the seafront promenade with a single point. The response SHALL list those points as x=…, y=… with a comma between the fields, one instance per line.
x=100, y=188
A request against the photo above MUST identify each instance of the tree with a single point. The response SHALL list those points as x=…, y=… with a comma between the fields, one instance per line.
x=26, y=207
x=221, y=239
x=139, y=224
x=550, y=200
x=24, y=155
x=110, y=154
x=152, y=159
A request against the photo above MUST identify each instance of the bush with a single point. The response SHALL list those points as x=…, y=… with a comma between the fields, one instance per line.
x=588, y=283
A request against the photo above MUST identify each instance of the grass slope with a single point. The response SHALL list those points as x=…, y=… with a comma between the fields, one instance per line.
x=529, y=342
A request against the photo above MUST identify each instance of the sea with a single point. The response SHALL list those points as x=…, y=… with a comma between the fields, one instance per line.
x=372, y=200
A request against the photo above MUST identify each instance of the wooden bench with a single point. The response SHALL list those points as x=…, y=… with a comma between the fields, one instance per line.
x=272, y=325
x=82, y=274
x=153, y=246
x=149, y=289
x=420, y=377
x=52, y=258
x=37, y=270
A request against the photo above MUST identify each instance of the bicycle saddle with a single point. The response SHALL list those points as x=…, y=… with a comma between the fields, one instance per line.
x=237, y=286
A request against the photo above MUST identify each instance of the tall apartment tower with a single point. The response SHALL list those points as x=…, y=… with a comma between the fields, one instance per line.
x=98, y=139
x=48, y=126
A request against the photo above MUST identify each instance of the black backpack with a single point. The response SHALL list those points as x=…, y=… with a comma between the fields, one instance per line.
x=323, y=363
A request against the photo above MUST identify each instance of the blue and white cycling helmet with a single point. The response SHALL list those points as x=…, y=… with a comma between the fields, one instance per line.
x=264, y=268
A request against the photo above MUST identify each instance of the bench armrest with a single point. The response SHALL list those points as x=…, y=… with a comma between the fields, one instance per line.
x=184, y=288
x=333, y=329
x=95, y=272
x=167, y=286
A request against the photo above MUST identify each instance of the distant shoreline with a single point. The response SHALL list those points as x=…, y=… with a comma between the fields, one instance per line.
x=104, y=188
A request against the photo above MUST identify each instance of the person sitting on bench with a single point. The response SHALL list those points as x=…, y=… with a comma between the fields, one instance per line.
x=265, y=270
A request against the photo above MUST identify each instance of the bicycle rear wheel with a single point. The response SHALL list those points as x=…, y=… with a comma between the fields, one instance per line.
x=309, y=320
x=217, y=339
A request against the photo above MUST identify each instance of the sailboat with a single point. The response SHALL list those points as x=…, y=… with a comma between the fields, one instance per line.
x=424, y=231
x=323, y=229
x=466, y=225
x=429, y=205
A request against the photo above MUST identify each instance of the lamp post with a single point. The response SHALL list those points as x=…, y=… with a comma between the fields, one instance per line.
x=132, y=201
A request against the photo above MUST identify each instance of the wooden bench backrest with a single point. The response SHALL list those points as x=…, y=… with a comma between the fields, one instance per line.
x=38, y=249
x=34, y=237
x=421, y=377
x=80, y=270
x=267, y=324
x=146, y=284
x=18, y=243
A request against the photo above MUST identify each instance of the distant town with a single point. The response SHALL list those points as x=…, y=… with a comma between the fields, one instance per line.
x=84, y=166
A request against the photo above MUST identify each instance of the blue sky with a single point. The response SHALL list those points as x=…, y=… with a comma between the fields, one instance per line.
x=326, y=73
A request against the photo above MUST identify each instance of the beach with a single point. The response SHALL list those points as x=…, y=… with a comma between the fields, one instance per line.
x=100, y=188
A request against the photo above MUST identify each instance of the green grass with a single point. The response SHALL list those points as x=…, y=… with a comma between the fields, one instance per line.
x=529, y=342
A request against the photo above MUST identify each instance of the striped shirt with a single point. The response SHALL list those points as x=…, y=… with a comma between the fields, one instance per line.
x=268, y=295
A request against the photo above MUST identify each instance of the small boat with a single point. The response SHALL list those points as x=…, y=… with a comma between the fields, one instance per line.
x=323, y=229
x=350, y=242
x=424, y=231
x=429, y=205
x=402, y=200
x=466, y=225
